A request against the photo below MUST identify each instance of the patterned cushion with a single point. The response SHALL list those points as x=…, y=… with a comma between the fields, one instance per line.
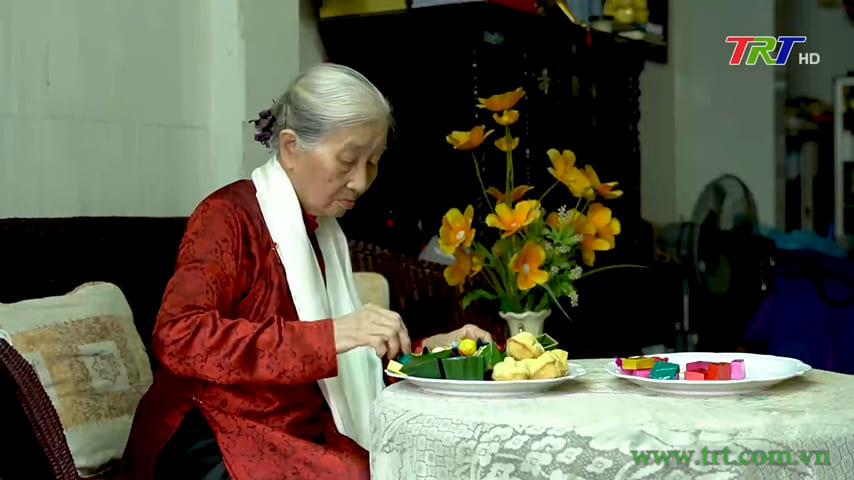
x=90, y=360
x=372, y=288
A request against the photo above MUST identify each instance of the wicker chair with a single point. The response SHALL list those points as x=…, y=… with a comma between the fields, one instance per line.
x=31, y=431
x=421, y=294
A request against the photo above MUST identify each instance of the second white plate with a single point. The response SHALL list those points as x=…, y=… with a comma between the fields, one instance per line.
x=761, y=372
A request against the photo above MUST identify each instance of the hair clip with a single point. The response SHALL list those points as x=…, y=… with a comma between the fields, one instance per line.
x=264, y=126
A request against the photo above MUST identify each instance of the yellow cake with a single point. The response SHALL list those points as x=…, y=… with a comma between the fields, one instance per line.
x=524, y=345
x=509, y=369
x=562, y=358
x=545, y=366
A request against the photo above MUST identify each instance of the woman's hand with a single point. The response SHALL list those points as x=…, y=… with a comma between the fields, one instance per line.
x=466, y=331
x=372, y=326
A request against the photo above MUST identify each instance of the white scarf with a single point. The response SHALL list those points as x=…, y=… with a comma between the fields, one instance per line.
x=359, y=379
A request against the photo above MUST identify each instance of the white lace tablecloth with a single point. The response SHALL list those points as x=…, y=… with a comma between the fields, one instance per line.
x=589, y=427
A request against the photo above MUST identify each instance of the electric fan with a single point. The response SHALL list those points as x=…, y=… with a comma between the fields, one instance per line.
x=727, y=266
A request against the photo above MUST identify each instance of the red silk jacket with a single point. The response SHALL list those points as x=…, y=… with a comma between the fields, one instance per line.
x=230, y=343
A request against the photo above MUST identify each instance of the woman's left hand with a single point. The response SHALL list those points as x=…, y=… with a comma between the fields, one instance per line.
x=466, y=331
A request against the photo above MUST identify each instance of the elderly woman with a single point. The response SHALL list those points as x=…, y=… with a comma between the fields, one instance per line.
x=270, y=361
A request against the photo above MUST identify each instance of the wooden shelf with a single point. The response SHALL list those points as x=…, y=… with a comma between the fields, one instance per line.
x=418, y=25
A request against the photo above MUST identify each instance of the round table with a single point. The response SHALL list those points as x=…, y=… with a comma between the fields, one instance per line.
x=588, y=428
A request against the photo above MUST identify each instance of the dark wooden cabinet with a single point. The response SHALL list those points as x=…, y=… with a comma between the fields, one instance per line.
x=582, y=94
x=433, y=63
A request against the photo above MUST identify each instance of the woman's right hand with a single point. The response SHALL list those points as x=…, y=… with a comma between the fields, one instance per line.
x=372, y=326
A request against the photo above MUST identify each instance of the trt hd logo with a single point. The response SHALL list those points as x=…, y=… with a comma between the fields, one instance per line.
x=758, y=47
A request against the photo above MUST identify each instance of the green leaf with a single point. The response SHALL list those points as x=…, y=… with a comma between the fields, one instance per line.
x=556, y=302
x=544, y=302
x=476, y=294
x=610, y=267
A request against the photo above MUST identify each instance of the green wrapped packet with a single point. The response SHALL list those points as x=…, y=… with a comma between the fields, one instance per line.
x=547, y=341
x=463, y=368
x=426, y=369
x=426, y=365
x=491, y=356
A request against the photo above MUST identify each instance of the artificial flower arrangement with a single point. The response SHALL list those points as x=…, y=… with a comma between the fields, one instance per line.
x=534, y=259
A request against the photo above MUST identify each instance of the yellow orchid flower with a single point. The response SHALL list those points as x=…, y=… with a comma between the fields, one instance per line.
x=507, y=118
x=502, y=101
x=506, y=145
x=561, y=162
x=516, y=194
x=457, y=273
x=604, y=189
x=580, y=223
x=511, y=221
x=456, y=229
x=607, y=227
x=579, y=185
x=589, y=245
x=477, y=261
x=468, y=140
x=564, y=170
x=526, y=263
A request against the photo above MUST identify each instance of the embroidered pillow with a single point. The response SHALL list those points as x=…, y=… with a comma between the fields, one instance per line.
x=91, y=361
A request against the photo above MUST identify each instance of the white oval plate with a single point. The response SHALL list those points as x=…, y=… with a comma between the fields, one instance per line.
x=761, y=372
x=489, y=388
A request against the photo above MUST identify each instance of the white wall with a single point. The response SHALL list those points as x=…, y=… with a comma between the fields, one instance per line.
x=657, y=129
x=722, y=118
x=104, y=106
x=122, y=107
x=830, y=33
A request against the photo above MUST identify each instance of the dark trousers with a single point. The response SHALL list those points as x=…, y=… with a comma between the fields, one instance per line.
x=192, y=453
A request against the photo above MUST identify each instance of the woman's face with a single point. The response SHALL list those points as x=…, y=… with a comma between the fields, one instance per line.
x=330, y=177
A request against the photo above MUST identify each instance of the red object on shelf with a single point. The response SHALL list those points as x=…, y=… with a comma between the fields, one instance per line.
x=529, y=6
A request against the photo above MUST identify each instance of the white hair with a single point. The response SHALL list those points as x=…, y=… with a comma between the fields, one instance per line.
x=324, y=98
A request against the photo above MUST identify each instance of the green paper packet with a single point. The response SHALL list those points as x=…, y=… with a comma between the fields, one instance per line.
x=426, y=369
x=491, y=355
x=547, y=341
x=426, y=365
x=463, y=368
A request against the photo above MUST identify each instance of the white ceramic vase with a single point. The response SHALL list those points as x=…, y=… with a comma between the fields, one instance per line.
x=526, y=321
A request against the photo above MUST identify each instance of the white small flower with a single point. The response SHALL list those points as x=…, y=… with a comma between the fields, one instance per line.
x=562, y=249
x=579, y=237
x=554, y=270
x=575, y=273
x=573, y=298
x=548, y=246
